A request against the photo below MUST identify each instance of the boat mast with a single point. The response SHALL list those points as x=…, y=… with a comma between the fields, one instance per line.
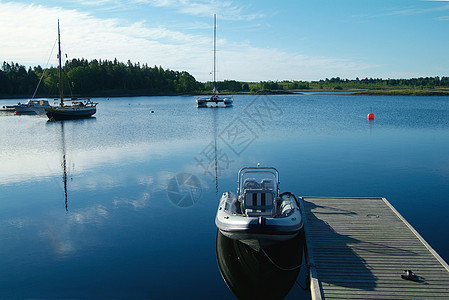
x=60, y=68
x=215, y=33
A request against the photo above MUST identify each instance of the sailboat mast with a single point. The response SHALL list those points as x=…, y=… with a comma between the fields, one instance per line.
x=61, y=93
x=215, y=42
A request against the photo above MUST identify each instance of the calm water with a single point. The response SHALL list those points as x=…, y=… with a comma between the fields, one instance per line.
x=123, y=205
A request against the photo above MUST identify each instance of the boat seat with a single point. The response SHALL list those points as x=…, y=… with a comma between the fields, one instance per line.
x=258, y=203
x=267, y=184
x=250, y=183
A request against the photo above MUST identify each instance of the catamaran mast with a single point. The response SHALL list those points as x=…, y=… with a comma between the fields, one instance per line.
x=215, y=34
x=60, y=68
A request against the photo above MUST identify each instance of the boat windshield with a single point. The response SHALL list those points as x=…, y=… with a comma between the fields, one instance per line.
x=258, y=178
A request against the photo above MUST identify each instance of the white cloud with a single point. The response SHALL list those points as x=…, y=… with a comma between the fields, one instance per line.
x=29, y=31
x=18, y=222
x=275, y=64
x=137, y=203
x=225, y=9
x=442, y=18
x=67, y=234
x=418, y=11
x=92, y=214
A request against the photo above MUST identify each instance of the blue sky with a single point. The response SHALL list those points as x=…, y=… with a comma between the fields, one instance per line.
x=256, y=40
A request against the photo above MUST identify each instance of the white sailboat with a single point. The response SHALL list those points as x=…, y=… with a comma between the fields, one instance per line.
x=79, y=108
x=203, y=101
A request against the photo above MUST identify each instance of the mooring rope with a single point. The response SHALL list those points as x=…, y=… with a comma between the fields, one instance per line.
x=279, y=267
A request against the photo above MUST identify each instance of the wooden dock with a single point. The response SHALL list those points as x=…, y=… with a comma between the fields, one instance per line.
x=360, y=247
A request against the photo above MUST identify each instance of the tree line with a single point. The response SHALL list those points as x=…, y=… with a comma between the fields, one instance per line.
x=114, y=78
x=335, y=83
x=95, y=77
x=382, y=84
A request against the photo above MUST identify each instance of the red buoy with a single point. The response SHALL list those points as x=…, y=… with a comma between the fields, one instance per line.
x=370, y=116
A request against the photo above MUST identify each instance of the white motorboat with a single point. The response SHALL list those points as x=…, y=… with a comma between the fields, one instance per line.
x=8, y=108
x=32, y=106
x=259, y=215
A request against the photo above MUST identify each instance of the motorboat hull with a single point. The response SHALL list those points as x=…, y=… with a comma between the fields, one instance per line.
x=8, y=108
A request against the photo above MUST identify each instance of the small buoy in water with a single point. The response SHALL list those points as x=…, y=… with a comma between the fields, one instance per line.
x=370, y=116
x=152, y=111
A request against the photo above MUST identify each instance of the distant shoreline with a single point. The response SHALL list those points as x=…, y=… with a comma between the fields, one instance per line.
x=400, y=92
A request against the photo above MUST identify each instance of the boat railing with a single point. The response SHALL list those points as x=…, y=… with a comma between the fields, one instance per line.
x=214, y=97
x=86, y=102
x=249, y=171
x=258, y=190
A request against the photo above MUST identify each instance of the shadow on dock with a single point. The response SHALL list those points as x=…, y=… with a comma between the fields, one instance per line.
x=341, y=258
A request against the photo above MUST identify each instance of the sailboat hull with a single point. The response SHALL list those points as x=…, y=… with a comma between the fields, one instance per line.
x=61, y=113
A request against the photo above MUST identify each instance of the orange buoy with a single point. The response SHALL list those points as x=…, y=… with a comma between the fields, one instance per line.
x=370, y=116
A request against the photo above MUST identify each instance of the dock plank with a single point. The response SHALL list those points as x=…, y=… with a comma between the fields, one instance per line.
x=359, y=248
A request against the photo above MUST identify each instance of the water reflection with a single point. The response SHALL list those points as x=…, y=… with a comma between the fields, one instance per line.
x=64, y=165
x=63, y=151
x=214, y=114
x=268, y=274
x=119, y=228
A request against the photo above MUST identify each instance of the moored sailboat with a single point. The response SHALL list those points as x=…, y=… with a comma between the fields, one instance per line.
x=202, y=101
x=78, y=108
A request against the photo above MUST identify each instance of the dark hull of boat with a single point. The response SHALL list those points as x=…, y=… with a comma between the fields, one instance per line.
x=59, y=115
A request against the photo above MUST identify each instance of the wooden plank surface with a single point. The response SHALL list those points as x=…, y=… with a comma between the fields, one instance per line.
x=358, y=248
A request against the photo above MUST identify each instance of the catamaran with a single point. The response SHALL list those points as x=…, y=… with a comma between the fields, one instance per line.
x=203, y=101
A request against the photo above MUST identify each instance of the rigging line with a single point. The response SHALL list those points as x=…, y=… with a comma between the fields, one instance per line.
x=45, y=70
